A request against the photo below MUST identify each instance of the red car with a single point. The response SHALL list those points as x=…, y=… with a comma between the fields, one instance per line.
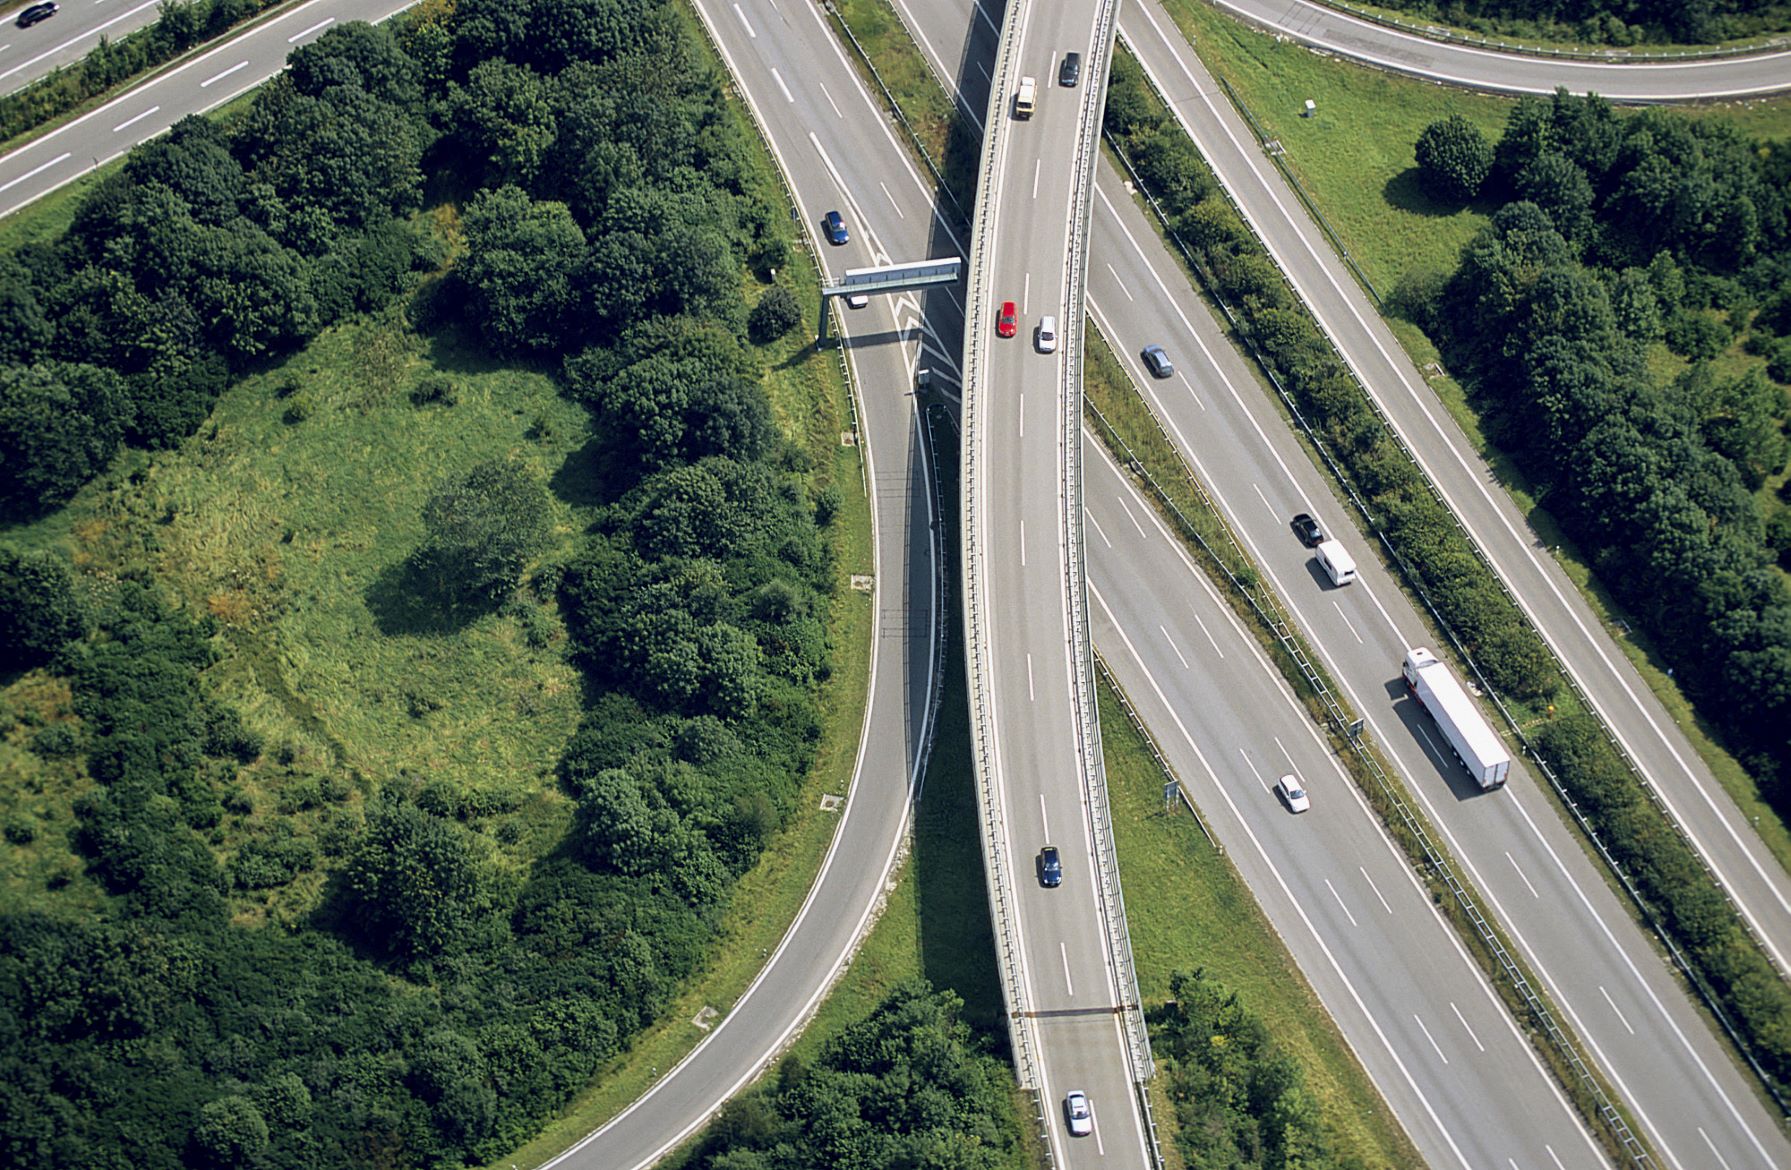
x=1004, y=324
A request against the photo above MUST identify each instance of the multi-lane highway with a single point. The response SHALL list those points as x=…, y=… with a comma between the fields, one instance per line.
x=26, y=54
x=1066, y=971
x=1755, y=881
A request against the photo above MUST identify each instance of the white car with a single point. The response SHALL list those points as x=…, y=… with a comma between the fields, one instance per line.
x=857, y=300
x=1047, y=335
x=1295, y=796
x=1077, y=1115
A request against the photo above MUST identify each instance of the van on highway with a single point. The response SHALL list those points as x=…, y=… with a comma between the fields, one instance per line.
x=1338, y=564
x=1025, y=97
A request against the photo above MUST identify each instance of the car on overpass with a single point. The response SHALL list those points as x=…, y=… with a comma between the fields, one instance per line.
x=1050, y=867
x=1005, y=322
x=1077, y=1115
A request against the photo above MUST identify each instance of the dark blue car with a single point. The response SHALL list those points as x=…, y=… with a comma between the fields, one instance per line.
x=835, y=224
x=1050, y=867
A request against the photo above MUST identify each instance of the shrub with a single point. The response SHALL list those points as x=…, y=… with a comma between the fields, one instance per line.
x=775, y=315
x=1454, y=158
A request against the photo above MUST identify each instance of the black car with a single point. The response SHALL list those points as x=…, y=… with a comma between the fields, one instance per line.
x=36, y=12
x=1158, y=361
x=835, y=223
x=1308, y=530
x=1070, y=72
x=1050, y=867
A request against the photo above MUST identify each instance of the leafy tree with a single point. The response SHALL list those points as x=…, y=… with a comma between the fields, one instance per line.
x=39, y=612
x=482, y=528
x=1454, y=158
x=230, y=1133
x=345, y=153
x=60, y=423
x=417, y=885
x=505, y=115
x=1556, y=184
x=775, y=315
x=24, y=329
x=357, y=53
x=524, y=265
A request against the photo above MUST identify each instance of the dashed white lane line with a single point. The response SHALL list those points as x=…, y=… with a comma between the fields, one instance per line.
x=1432, y=1039
x=37, y=170
x=217, y=77
x=1121, y=284
x=1064, y=950
x=1022, y=544
x=1520, y=874
x=1134, y=519
x=1716, y=1153
x=1030, y=694
x=900, y=214
x=1044, y=817
x=1347, y=622
x=135, y=118
x=1340, y=903
x=1099, y=531
x=1036, y=166
x=744, y=23
x=779, y=78
x=322, y=24
x=1375, y=888
x=1615, y=1008
x=1208, y=633
x=1465, y=1027
x=831, y=102
x=1173, y=646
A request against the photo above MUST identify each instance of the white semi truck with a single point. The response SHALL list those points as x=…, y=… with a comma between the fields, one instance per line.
x=1474, y=743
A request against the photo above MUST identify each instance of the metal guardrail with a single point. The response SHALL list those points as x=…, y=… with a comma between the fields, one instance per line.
x=1611, y=56
x=1272, y=617
x=1156, y=753
x=1650, y=916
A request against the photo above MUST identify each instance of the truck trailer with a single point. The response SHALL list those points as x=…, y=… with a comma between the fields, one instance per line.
x=1473, y=741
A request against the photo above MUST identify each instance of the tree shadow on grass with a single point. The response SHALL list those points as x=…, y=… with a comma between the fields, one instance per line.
x=415, y=597
x=1406, y=192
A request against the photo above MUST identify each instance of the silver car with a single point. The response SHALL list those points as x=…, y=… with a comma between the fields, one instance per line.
x=1077, y=1115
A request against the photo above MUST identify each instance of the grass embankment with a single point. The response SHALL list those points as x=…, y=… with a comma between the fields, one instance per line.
x=1188, y=908
x=1355, y=161
x=944, y=133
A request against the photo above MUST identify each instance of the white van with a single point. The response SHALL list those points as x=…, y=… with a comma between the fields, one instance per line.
x=1337, y=562
x=1025, y=97
x=1047, y=335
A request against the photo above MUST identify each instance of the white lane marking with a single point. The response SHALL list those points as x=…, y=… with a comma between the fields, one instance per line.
x=1064, y=950
x=1030, y=694
x=1553, y=1157
x=830, y=101
x=1375, y=888
x=1207, y=632
x=1037, y=164
x=135, y=118
x=1615, y=1008
x=1273, y=515
x=1026, y=293
x=76, y=39
x=779, y=78
x=1340, y=905
x=1122, y=284
x=217, y=77
x=1347, y=622
x=1432, y=1039
x=1100, y=1149
x=37, y=170
x=1251, y=764
x=1022, y=544
x=1172, y=645
x=744, y=24
x=1520, y=873
x=892, y=199
x=1134, y=519
x=322, y=24
x=1716, y=1153
x=980, y=68
x=1596, y=643
x=1465, y=1027
x=1023, y=426
x=1044, y=818
x=1287, y=893
x=1099, y=531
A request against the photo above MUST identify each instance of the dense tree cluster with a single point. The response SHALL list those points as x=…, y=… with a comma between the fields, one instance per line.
x=1621, y=232
x=907, y=1086
x=1239, y=1100
x=452, y=989
x=1454, y=158
x=1612, y=22
x=212, y=250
